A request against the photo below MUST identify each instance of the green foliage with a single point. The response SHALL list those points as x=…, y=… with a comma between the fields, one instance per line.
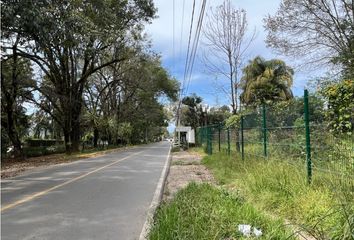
x=206, y=212
x=42, y=151
x=340, y=112
x=266, y=81
x=279, y=187
x=286, y=113
x=192, y=114
x=233, y=121
x=16, y=78
x=125, y=131
x=71, y=41
x=43, y=142
x=218, y=115
x=101, y=81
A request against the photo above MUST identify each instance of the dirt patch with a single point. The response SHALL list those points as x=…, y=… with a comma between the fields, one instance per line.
x=14, y=167
x=185, y=168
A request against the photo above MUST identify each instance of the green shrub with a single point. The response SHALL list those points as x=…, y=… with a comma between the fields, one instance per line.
x=43, y=142
x=41, y=151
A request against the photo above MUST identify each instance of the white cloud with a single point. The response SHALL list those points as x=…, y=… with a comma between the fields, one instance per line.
x=161, y=32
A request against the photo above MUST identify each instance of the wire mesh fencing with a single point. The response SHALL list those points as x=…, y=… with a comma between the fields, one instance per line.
x=293, y=134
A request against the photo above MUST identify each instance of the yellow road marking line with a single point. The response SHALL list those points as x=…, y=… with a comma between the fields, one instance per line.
x=38, y=194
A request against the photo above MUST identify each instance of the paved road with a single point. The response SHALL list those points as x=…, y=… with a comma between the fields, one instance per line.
x=105, y=197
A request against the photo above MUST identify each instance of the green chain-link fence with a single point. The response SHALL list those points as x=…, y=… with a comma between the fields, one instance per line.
x=292, y=133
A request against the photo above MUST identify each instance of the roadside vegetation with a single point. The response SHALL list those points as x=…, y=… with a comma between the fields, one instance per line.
x=321, y=210
x=299, y=165
x=202, y=211
x=81, y=73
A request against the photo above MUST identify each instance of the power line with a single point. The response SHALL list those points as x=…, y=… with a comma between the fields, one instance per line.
x=173, y=35
x=191, y=52
x=196, y=41
x=188, y=49
x=180, y=40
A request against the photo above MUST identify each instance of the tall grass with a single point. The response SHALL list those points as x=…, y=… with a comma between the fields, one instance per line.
x=205, y=212
x=281, y=188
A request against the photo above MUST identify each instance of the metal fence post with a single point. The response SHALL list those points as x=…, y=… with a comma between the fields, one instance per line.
x=209, y=141
x=264, y=130
x=203, y=135
x=219, y=136
x=242, y=142
x=200, y=135
x=228, y=142
x=308, y=141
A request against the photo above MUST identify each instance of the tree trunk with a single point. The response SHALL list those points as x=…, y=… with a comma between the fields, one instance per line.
x=73, y=118
x=67, y=141
x=75, y=133
x=10, y=95
x=95, y=137
x=13, y=135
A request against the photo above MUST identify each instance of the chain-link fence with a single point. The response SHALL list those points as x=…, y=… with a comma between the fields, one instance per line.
x=294, y=133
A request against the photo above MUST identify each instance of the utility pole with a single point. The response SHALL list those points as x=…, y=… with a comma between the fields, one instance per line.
x=178, y=125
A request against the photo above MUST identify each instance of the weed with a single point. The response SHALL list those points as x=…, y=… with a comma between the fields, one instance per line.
x=201, y=211
x=280, y=188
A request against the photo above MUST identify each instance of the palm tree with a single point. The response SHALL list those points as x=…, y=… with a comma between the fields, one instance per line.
x=266, y=81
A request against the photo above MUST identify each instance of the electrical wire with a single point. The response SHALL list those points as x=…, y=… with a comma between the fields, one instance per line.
x=191, y=52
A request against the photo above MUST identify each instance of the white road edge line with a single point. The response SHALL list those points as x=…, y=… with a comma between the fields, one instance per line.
x=156, y=199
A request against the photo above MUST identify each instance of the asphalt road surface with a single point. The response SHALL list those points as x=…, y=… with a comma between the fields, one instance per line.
x=105, y=197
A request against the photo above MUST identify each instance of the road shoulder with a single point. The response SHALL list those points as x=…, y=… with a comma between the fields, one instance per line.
x=11, y=168
x=156, y=200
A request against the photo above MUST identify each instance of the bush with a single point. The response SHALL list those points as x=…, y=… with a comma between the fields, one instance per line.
x=43, y=142
x=340, y=113
x=41, y=151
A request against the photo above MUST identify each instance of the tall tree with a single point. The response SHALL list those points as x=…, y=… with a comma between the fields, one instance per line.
x=192, y=114
x=123, y=100
x=69, y=41
x=266, y=81
x=320, y=31
x=16, y=77
x=227, y=42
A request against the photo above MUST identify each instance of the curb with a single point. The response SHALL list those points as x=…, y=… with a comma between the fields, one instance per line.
x=156, y=200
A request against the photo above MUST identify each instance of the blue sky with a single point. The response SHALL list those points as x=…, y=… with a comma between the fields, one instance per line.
x=203, y=84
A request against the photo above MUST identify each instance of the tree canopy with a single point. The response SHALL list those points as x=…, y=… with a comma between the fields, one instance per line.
x=95, y=74
x=266, y=81
x=320, y=31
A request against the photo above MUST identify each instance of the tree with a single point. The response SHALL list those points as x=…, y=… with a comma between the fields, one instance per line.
x=122, y=100
x=16, y=77
x=266, y=81
x=42, y=122
x=146, y=84
x=321, y=31
x=218, y=115
x=227, y=43
x=192, y=113
x=70, y=41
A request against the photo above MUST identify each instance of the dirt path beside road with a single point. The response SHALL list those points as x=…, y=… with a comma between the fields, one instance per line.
x=185, y=167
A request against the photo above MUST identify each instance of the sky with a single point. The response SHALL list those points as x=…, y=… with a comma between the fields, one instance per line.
x=172, y=42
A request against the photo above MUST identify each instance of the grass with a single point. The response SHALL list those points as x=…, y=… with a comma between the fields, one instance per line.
x=201, y=212
x=280, y=188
